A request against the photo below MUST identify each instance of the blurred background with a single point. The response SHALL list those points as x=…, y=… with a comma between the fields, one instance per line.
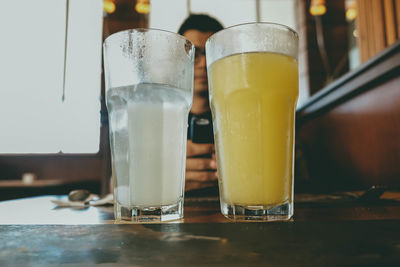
x=54, y=125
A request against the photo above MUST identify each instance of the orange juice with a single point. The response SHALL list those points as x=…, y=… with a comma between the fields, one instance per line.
x=253, y=98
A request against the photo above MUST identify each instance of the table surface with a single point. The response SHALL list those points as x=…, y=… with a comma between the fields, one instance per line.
x=332, y=230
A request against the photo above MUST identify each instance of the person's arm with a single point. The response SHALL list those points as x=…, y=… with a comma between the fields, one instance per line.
x=201, y=166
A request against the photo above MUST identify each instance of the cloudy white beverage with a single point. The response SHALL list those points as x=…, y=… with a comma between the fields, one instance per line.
x=148, y=127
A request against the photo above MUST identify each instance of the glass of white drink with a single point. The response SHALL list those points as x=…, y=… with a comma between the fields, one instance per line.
x=149, y=92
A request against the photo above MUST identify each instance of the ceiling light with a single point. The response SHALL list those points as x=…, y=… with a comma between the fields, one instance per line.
x=351, y=11
x=317, y=7
x=109, y=6
x=142, y=6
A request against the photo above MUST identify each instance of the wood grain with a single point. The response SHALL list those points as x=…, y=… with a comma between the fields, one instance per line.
x=390, y=21
x=371, y=243
x=378, y=20
x=361, y=24
x=370, y=29
x=378, y=25
x=397, y=12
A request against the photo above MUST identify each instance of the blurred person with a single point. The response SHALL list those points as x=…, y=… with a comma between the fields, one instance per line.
x=201, y=167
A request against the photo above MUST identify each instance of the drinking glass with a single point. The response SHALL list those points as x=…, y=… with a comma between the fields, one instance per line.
x=149, y=92
x=253, y=82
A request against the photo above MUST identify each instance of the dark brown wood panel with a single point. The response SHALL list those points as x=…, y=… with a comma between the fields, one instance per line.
x=56, y=174
x=349, y=133
x=49, y=166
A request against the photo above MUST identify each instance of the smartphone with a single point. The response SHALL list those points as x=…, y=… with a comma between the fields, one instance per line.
x=201, y=129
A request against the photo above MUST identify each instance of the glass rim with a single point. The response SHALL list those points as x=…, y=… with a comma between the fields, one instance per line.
x=273, y=24
x=114, y=35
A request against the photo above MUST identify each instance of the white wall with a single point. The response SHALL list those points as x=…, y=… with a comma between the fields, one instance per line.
x=33, y=117
x=169, y=14
x=279, y=11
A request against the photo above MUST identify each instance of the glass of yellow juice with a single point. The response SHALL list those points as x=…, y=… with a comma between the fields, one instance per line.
x=253, y=83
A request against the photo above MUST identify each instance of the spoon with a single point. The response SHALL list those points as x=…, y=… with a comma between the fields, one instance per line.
x=78, y=195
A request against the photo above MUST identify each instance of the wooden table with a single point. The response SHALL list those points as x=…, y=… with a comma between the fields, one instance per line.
x=327, y=230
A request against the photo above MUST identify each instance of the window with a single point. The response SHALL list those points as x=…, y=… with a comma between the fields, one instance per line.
x=46, y=44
